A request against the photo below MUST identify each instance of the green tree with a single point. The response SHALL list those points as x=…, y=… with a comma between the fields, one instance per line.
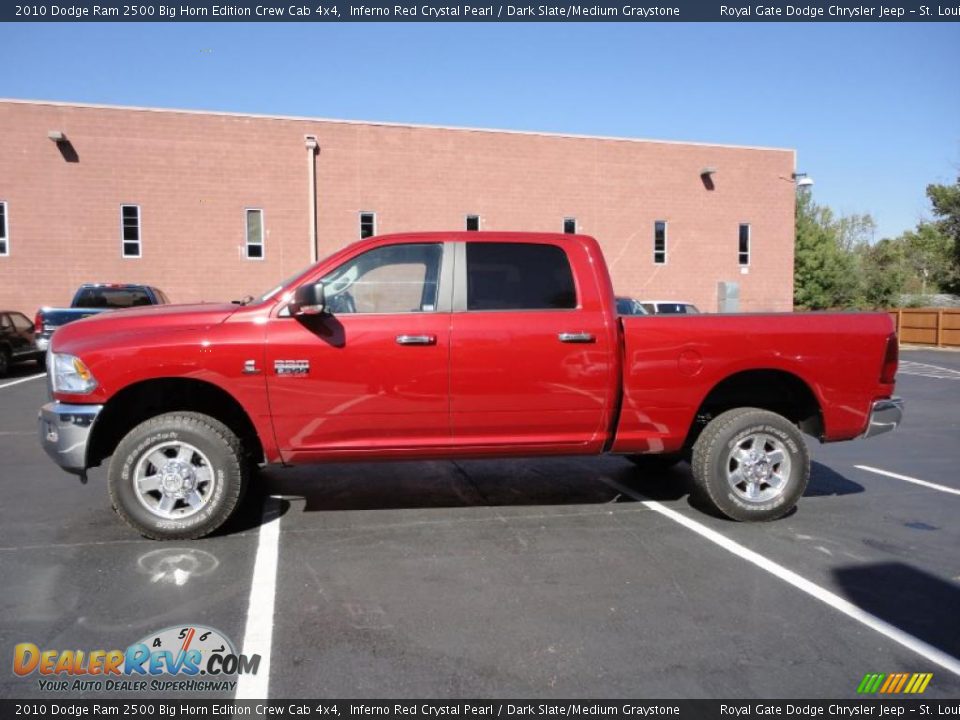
x=928, y=253
x=825, y=273
x=883, y=271
x=946, y=206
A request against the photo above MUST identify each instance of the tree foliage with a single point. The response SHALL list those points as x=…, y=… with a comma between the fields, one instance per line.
x=823, y=269
x=945, y=200
x=837, y=265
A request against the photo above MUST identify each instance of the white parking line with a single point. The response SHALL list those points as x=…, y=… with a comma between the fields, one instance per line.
x=909, y=367
x=907, y=478
x=925, y=650
x=258, y=636
x=22, y=380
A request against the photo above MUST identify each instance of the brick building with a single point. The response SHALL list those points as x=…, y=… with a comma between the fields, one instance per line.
x=212, y=206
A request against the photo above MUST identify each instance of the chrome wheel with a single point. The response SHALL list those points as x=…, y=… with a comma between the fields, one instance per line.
x=174, y=480
x=758, y=467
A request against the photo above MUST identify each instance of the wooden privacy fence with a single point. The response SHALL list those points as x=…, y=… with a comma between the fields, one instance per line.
x=928, y=326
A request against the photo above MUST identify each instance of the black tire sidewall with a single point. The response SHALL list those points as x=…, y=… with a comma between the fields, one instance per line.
x=730, y=503
x=226, y=466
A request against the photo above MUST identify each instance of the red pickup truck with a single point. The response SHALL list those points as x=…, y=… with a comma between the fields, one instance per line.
x=449, y=345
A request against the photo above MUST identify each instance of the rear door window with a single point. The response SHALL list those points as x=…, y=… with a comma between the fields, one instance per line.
x=519, y=276
x=20, y=322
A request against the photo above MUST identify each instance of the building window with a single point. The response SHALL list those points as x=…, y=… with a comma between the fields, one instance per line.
x=4, y=238
x=660, y=242
x=744, y=251
x=254, y=233
x=368, y=224
x=130, y=230
x=473, y=223
x=570, y=226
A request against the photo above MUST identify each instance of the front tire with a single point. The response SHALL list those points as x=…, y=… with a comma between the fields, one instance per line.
x=177, y=476
x=751, y=465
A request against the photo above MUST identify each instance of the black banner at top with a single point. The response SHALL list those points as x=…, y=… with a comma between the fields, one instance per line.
x=336, y=11
x=480, y=709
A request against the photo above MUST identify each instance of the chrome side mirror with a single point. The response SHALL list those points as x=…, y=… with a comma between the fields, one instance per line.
x=308, y=300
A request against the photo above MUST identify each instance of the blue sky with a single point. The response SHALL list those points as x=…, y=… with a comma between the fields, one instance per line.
x=873, y=110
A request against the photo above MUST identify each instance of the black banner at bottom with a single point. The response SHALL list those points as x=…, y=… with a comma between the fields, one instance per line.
x=415, y=709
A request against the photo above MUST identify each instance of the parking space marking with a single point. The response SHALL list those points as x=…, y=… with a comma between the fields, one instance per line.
x=909, y=367
x=22, y=380
x=925, y=650
x=258, y=635
x=907, y=478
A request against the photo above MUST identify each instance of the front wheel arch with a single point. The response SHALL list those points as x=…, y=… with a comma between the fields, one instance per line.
x=143, y=400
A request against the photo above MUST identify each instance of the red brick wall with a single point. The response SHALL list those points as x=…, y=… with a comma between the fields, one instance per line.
x=193, y=174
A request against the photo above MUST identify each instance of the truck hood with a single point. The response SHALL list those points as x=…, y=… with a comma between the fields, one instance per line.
x=108, y=327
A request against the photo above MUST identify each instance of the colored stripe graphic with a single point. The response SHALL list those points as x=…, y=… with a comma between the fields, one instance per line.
x=894, y=683
x=903, y=681
x=870, y=683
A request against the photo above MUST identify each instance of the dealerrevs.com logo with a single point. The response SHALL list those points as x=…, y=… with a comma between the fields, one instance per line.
x=181, y=658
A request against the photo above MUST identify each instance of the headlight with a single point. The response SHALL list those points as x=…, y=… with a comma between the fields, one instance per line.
x=70, y=375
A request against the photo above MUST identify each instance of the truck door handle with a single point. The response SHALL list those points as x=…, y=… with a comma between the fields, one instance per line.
x=580, y=337
x=416, y=339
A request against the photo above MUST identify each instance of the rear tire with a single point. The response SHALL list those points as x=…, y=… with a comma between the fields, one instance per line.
x=751, y=465
x=4, y=362
x=178, y=476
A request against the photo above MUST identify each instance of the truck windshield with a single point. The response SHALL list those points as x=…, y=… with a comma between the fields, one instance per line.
x=109, y=297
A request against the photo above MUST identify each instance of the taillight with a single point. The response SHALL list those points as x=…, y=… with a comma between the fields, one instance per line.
x=38, y=322
x=890, y=360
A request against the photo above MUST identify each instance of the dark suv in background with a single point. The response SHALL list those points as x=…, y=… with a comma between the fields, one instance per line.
x=17, y=341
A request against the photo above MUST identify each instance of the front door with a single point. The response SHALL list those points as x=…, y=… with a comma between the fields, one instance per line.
x=371, y=374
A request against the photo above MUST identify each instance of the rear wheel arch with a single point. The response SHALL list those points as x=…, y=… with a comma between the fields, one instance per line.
x=141, y=401
x=778, y=391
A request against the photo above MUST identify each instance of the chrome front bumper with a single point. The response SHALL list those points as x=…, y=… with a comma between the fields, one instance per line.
x=64, y=431
x=885, y=415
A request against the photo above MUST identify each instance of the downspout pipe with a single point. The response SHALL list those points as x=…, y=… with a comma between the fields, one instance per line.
x=310, y=142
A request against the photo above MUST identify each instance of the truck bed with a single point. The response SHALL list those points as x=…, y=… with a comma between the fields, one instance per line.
x=672, y=364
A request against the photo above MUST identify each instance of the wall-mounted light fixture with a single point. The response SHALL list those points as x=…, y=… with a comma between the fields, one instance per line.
x=58, y=136
x=803, y=181
x=706, y=176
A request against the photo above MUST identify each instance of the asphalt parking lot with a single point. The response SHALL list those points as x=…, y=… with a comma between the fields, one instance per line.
x=535, y=578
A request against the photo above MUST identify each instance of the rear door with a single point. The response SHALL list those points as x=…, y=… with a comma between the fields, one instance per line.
x=531, y=356
x=372, y=372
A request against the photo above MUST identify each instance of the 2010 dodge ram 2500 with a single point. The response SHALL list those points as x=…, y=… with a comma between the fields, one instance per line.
x=447, y=345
